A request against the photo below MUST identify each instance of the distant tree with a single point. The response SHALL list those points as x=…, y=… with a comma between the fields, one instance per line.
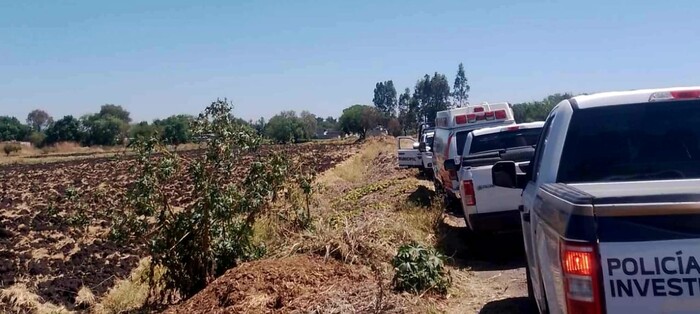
x=115, y=111
x=39, y=119
x=432, y=95
x=408, y=111
x=104, y=130
x=66, y=129
x=329, y=123
x=537, y=110
x=394, y=127
x=359, y=119
x=13, y=130
x=385, y=98
x=460, y=89
x=259, y=126
x=143, y=130
x=285, y=127
x=176, y=130
x=37, y=138
x=310, y=124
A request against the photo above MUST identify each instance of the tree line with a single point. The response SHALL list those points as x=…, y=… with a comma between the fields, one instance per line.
x=112, y=125
x=397, y=114
x=402, y=114
x=108, y=127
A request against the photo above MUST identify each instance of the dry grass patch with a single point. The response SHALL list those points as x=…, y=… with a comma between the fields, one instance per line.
x=131, y=293
x=19, y=298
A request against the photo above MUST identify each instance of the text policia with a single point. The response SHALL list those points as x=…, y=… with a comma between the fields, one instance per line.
x=677, y=275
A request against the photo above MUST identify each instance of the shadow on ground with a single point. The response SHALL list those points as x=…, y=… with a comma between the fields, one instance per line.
x=422, y=196
x=479, y=252
x=511, y=305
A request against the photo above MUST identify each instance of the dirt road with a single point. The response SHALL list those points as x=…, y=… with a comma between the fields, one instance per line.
x=489, y=269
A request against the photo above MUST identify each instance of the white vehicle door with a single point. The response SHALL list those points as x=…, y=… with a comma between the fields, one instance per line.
x=529, y=220
x=408, y=156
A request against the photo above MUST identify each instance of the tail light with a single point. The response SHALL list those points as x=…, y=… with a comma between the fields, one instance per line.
x=581, y=278
x=469, y=197
x=675, y=95
x=489, y=115
x=501, y=114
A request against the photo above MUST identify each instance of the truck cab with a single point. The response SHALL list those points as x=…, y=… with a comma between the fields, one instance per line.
x=451, y=130
x=486, y=207
x=611, y=204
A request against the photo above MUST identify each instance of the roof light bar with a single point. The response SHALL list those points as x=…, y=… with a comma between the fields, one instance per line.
x=478, y=109
x=675, y=95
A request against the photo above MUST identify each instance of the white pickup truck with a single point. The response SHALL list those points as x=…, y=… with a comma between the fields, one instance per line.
x=488, y=208
x=611, y=204
x=420, y=154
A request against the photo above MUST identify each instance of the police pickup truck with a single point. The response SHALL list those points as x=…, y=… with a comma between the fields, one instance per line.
x=611, y=204
x=488, y=208
x=420, y=154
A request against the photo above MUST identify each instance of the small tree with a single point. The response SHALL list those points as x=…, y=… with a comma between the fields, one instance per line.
x=394, y=127
x=10, y=148
x=359, y=119
x=66, y=129
x=213, y=232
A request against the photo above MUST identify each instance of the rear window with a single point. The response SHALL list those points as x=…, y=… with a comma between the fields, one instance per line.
x=640, y=142
x=503, y=140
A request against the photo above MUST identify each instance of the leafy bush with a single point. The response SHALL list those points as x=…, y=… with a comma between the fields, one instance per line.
x=213, y=233
x=10, y=148
x=419, y=269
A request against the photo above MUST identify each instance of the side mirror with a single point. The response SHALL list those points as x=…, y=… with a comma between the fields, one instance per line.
x=451, y=165
x=504, y=174
x=416, y=145
x=421, y=147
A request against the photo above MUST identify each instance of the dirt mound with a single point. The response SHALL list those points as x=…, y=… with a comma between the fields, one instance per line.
x=293, y=284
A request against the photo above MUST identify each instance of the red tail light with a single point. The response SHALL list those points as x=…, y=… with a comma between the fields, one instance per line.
x=471, y=118
x=489, y=115
x=686, y=94
x=675, y=95
x=469, y=197
x=461, y=119
x=478, y=109
x=581, y=279
x=501, y=114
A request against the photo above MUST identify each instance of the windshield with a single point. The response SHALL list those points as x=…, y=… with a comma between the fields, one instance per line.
x=640, y=142
x=503, y=140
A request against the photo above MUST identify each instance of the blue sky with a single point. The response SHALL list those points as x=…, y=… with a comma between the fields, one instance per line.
x=158, y=58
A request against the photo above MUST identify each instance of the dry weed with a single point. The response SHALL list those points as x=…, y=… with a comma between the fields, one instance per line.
x=129, y=294
x=19, y=298
x=85, y=298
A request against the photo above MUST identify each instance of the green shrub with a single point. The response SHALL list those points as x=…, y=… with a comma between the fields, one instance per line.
x=10, y=148
x=419, y=269
x=200, y=241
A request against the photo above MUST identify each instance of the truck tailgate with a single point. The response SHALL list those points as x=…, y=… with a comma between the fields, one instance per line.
x=649, y=245
x=490, y=198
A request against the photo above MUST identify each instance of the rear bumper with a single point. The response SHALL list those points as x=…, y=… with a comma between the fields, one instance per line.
x=505, y=221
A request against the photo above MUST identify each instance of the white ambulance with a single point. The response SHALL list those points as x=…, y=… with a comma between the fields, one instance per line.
x=451, y=130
